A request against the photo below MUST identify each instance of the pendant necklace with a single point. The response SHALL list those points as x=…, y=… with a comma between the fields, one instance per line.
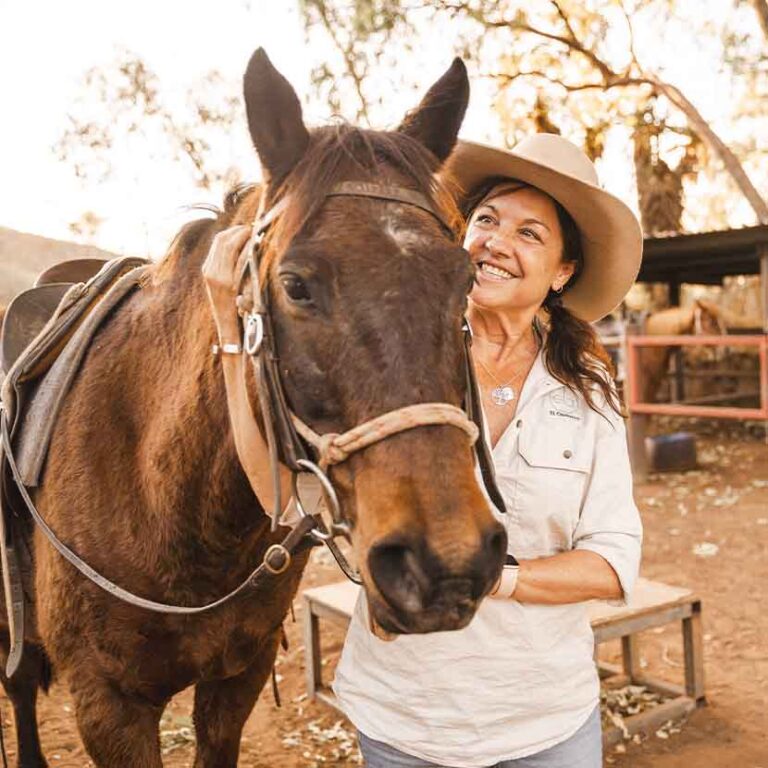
x=503, y=392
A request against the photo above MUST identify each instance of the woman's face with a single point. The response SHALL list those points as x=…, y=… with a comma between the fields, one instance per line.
x=516, y=243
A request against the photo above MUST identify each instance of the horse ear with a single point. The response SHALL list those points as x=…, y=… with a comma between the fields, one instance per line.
x=436, y=121
x=274, y=117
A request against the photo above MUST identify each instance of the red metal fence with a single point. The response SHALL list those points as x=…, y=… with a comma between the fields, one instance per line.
x=634, y=376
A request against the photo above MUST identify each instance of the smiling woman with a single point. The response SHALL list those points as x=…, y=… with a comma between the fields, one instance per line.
x=552, y=251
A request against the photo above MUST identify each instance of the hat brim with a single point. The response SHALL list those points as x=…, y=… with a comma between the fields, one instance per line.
x=612, y=240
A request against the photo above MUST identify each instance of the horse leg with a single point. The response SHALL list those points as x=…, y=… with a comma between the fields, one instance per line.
x=223, y=706
x=118, y=730
x=33, y=673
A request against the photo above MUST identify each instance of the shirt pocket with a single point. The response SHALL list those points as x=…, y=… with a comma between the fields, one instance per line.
x=551, y=481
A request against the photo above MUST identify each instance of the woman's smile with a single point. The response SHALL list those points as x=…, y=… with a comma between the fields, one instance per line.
x=494, y=272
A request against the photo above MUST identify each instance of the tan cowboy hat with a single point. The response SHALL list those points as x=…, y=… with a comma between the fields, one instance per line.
x=610, y=232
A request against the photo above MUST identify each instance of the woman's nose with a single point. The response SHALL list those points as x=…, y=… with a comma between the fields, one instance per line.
x=498, y=246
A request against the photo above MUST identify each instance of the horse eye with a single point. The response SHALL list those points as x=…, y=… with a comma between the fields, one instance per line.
x=296, y=289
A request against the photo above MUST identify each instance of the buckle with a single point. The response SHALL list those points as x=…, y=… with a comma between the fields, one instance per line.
x=284, y=553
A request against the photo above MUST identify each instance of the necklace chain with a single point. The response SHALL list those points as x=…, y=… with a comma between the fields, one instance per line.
x=503, y=392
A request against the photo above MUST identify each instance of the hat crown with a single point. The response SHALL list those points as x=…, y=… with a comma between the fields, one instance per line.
x=559, y=154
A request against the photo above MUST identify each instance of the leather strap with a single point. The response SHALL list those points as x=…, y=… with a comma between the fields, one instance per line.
x=389, y=193
x=12, y=584
x=276, y=560
x=474, y=411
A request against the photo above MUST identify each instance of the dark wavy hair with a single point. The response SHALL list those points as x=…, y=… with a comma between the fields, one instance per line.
x=573, y=353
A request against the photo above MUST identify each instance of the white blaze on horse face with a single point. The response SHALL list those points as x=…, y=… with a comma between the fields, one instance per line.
x=405, y=239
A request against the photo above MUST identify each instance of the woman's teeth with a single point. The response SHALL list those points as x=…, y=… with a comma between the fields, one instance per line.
x=489, y=269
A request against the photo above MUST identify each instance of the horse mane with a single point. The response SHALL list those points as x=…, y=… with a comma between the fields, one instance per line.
x=188, y=239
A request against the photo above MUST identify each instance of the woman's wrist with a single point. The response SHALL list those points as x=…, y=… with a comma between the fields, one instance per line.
x=507, y=584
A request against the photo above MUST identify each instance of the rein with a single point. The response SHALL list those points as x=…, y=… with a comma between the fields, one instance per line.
x=288, y=438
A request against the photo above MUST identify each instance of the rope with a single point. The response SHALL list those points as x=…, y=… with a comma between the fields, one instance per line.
x=334, y=448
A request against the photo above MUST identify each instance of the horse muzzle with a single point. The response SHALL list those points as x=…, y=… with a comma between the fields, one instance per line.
x=415, y=592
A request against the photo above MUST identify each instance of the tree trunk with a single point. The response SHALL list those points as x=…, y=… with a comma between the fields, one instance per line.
x=761, y=9
x=730, y=161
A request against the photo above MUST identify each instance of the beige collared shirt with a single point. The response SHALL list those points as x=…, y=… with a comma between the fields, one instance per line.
x=520, y=678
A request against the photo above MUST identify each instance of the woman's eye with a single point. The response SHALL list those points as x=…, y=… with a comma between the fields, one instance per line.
x=484, y=218
x=530, y=233
x=296, y=289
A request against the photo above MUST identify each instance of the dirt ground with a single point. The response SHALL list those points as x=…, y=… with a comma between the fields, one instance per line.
x=706, y=530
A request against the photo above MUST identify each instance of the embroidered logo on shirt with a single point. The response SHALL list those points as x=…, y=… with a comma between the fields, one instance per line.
x=562, y=402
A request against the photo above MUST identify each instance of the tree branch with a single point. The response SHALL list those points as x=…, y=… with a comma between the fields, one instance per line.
x=630, y=28
x=695, y=119
x=571, y=87
x=346, y=53
x=572, y=44
x=564, y=16
x=761, y=9
x=732, y=163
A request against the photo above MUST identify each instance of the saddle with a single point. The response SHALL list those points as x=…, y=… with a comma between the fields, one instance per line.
x=45, y=334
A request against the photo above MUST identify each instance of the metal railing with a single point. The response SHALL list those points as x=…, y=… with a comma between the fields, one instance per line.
x=634, y=382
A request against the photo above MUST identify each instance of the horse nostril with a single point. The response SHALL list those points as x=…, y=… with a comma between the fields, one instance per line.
x=398, y=575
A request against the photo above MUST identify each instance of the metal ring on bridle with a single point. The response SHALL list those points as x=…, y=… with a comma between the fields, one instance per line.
x=284, y=553
x=330, y=494
x=254, y=333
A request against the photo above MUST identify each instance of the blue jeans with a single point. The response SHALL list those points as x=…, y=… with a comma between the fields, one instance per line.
x=582, y=750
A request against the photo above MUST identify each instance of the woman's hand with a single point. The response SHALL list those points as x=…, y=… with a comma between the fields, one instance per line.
x=221, y=274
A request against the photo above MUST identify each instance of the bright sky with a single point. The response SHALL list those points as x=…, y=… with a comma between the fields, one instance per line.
x=46, y=46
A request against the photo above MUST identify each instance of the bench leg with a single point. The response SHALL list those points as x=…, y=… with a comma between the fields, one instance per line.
x=630, y=657
x=314, y=670
x=693, y=649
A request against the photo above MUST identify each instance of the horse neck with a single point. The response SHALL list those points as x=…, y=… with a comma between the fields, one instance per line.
x=188, y=436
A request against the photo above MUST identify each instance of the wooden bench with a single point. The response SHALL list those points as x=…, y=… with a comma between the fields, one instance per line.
x=653, y=605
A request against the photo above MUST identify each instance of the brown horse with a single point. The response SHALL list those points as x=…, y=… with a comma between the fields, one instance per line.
x=143, y=479
x=702, y=318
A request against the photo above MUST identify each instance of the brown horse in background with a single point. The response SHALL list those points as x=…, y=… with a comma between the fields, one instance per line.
x=701, y=318
x=143, y=480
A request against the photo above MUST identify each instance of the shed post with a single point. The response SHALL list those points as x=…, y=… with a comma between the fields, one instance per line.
x=763, y=253
x=637, y=422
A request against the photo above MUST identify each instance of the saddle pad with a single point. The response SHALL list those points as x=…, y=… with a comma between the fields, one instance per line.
x=34, y=429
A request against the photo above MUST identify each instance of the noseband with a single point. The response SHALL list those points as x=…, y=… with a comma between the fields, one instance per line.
x=289, y=438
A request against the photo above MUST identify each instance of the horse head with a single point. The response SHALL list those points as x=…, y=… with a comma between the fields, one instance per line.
x=708, y=318
x=366, y=300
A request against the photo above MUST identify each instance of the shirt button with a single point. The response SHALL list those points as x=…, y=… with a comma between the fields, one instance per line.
x=567, y=454
x=519, y=423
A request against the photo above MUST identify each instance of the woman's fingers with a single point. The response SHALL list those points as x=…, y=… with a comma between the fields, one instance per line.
x=243, y=256
x=220, y=266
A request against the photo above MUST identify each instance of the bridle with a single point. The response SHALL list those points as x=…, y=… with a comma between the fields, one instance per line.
x=288, y=437
x=290, y=441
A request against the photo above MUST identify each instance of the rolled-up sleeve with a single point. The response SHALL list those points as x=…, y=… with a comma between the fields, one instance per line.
x=609, y=523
